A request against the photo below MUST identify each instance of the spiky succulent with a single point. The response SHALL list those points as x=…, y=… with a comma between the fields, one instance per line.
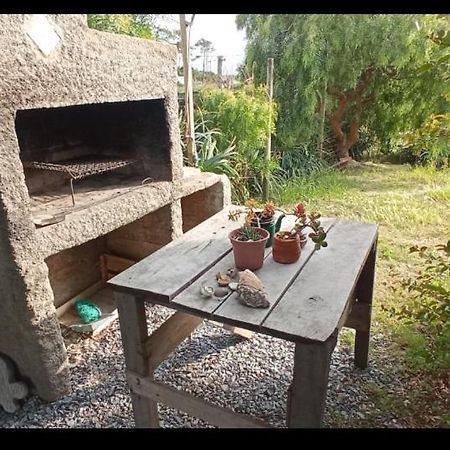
x=248, y=233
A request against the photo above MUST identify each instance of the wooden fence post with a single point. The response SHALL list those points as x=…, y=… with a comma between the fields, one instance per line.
x=267, y=153
x=188, y=95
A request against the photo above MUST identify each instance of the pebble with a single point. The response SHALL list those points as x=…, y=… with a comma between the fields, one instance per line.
x=221, y=291
x=251, y=376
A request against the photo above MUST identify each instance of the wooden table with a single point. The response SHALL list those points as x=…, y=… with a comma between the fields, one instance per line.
x=311, y=300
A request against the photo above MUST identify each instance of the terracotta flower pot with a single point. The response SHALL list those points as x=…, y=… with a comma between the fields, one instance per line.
x=249, y=254
x=286, y=251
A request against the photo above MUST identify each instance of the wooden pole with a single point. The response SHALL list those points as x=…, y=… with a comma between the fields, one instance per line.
x=220, y=60
x=188, y=94
x=268, y=151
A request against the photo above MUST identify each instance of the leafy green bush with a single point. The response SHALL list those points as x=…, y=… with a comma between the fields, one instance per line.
x=429, y=144
x=130, y=24
x=241, y=115
x=430, y=290
x=241, y=119
x=425, y=352
x=251, y=169
x=367, y=147
x=300, y=161
x=427, y=313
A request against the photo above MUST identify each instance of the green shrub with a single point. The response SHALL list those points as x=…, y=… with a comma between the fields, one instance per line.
x=300, y=161
x=130, y=24
x=430, y=289
x=427, y=145
x=368, y=147
x=426, y=351
x=242, y=116
x=427, y=313
x=241, y=119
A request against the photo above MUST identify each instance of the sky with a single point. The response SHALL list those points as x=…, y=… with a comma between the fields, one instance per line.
x=226, y=39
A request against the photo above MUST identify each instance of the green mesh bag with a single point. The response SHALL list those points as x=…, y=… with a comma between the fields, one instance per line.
x=87, y=311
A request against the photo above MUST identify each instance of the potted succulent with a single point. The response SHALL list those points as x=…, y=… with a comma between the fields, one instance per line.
x=287, y=244
x=259, y=217
x=265, y=218
x=248, y=241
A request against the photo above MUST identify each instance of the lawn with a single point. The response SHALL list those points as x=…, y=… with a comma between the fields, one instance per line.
x=411, y=206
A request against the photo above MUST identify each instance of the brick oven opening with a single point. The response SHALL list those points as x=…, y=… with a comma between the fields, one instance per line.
x=81, y=155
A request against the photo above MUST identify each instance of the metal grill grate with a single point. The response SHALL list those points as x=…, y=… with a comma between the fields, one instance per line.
x=81, y=168
x=78, y=169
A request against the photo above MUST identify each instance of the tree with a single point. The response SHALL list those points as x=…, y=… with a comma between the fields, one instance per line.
x=242, y=117
x=368, y=64
x=440, y=37
x=161, y=32
x=130, y=24
x=205, y=47
x=148, y=26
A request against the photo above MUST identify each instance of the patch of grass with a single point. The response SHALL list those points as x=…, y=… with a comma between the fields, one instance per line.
x=440, y=195
x=418, y=352
x=411, y=206
x=391, y=252
x=420, y=175
x=327, y=184
x=393, y=210
x=386, y=401
x=347, y=338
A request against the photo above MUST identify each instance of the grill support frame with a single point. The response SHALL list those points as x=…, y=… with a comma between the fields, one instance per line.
x=78, y=169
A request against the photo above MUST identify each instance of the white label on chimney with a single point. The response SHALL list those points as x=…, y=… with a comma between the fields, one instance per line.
x=42, y=33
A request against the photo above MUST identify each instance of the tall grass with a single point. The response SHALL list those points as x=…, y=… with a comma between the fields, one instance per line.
x=321, y=184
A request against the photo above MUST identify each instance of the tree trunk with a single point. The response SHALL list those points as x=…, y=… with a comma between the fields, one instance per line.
x=342, y=146
x=346, y=141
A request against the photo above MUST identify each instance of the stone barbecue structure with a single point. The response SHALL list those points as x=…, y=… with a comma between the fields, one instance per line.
x=91, y=177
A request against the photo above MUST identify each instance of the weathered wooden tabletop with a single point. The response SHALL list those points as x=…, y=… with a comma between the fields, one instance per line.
x=308, y=298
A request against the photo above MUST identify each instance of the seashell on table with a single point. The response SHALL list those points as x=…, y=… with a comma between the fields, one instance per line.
x=206, y=291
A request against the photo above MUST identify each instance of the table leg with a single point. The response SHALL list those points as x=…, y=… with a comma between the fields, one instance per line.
x=364, y=294
x=308, y=391
x=133, y=328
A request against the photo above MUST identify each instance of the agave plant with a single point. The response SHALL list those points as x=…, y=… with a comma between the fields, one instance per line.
x=210, y=157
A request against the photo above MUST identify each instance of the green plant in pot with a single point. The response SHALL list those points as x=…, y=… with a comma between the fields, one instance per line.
x=248, y=242
x=287, y=245
x=259, y=216
x=265, y=218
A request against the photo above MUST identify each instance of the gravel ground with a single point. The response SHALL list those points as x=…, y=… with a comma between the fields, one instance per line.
x=249, y=375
